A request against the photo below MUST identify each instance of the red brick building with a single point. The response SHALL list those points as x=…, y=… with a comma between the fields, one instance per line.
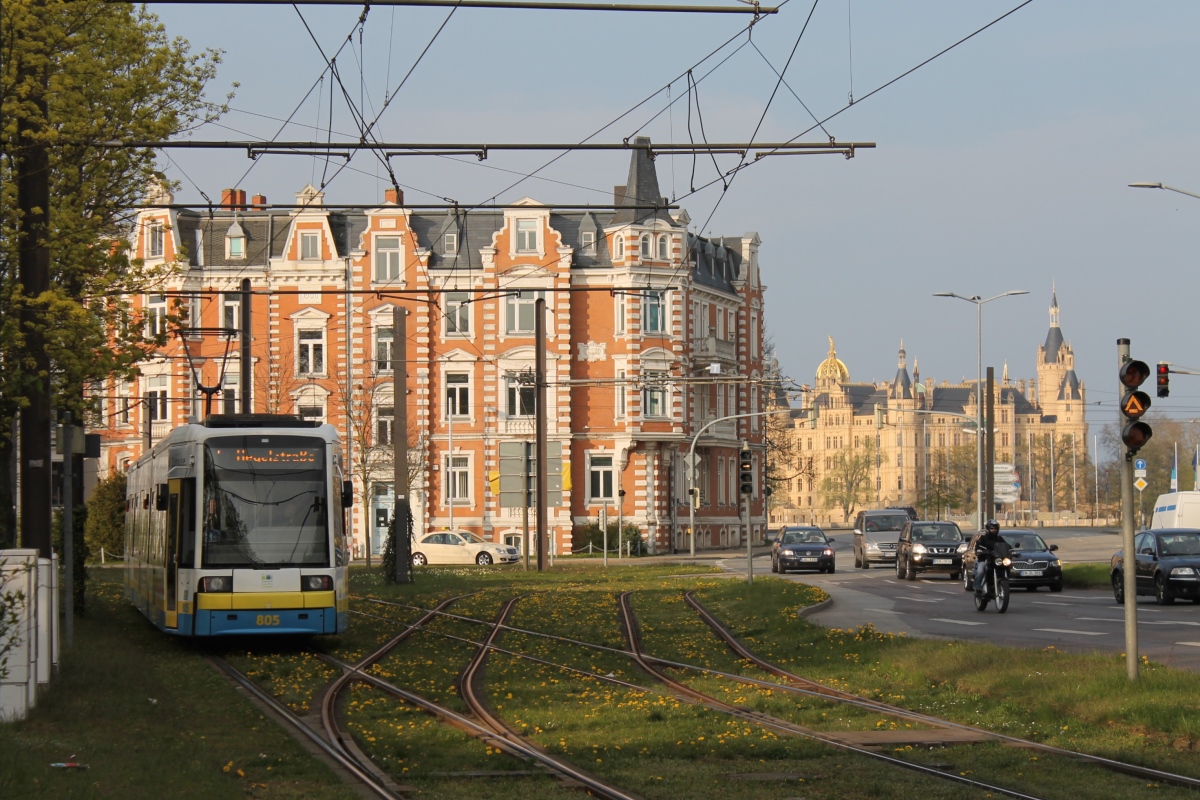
x=652, y=331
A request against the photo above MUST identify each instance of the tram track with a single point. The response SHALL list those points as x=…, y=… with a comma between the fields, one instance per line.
x=795, y=684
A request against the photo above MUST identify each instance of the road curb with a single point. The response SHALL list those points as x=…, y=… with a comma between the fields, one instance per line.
x=821, y=606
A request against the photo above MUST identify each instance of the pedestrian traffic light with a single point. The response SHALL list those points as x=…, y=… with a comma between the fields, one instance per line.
x=1164, y=379
x=746, y=472
x=1134, y=404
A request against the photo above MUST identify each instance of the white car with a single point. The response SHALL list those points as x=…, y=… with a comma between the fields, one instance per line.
x=461, y=547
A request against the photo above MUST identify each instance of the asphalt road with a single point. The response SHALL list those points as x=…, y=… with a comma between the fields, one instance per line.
x=1072, y=620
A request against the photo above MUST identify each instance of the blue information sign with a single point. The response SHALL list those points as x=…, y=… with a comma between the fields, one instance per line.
x=1139, y=463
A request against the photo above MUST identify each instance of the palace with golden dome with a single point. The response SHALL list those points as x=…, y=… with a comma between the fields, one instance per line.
x=910, y=441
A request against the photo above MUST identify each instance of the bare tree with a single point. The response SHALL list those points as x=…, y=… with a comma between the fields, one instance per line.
x=847, y=485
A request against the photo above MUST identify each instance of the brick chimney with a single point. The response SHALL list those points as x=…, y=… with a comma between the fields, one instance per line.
x=393, y=196
x=259, y=201
x=228, y=198
x=241, y=198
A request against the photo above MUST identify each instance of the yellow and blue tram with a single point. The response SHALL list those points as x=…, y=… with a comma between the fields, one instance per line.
x=237, y=525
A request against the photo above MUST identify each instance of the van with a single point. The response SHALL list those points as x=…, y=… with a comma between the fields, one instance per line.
x=1177, y=510
x=875, y=536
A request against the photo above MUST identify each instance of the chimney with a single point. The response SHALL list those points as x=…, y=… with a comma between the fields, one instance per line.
x=259, y=201
x=228, y=197
x=393, y=196
x=241, y=198
x=618, y=195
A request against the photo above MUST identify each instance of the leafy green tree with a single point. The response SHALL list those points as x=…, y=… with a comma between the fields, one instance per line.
x=74, y=75
x=105, y=527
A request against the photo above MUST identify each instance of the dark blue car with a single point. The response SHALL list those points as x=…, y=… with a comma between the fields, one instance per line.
x=802, y=547
x=1168, y=565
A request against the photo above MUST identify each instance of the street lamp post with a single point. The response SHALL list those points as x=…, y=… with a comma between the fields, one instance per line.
x=1151, y=185
x=979, y=303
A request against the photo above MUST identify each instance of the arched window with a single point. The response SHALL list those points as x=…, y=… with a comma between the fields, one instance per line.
x=662, y=247
x=619, y=246
x=645, y=245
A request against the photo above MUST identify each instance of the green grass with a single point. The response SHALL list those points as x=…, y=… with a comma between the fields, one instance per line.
x=637, y=736
x=1086, y=576
x=152, y=719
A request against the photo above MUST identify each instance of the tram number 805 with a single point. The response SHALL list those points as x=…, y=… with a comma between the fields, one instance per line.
x=266, y=620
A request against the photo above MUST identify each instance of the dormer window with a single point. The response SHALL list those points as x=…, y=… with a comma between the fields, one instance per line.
x=156, y=234
x=451, y=244
x=235, y=242
x=310, y=245
x=588, y=242
x=619, y=247
x=662, y=248
x=527, y=236
x=646, y=245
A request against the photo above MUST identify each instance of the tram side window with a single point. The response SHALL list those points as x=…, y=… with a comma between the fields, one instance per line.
x=187, y=527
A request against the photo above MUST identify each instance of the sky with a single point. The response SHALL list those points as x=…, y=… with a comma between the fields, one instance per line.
x=1000, y=165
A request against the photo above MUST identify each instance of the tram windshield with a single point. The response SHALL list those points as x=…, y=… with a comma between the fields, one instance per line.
x=266, y=502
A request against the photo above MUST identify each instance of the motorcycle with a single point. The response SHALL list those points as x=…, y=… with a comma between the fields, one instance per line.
x=994, y=585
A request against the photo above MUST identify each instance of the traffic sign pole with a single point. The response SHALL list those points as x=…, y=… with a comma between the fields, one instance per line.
x=1129, y=574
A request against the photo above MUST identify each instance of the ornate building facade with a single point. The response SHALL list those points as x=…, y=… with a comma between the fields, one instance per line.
x=652, y=332
x=915, y=436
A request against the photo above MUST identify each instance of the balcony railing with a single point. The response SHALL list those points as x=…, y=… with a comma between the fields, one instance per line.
x=517, y=426
x=712, y=347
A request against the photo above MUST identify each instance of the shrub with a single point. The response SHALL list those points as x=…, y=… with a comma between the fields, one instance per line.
x=589, y=538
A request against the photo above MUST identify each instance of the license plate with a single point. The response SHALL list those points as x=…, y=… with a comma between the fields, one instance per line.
x=1031, y=573
x=943, y=561
x=809, y=558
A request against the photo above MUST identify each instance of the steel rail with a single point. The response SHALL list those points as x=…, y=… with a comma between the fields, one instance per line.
x=335, y=752
x=821, y=690
x=766, y=720
x=471, y=680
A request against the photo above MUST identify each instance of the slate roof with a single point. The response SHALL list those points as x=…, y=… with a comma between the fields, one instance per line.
x=1054, y=340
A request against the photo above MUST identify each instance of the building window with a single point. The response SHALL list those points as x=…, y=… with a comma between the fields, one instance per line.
x=519, y=311
x=311, y=411
x=385, y=419
x=123, y=403
x=310, y=352
x=458, y=394
x=450, y=244
x=520, y=398
x=619, y=247
x=384, y=349
x=588, y=241
x=721, y=481
x=229, y=388
x=527, y=241
x=231, y=311
x=645, y=245
x=655, y=395
x=310, y=245
x=458, y=479
x=654, y=312
x=754, y=334
x=236, y=246
x=600, y=478
x=156, y=236
x=458, y=313
x=619, y=311
x=156, y=315
x=620, y=404
x=662, y=247
x=156, y=397
x=387, y=258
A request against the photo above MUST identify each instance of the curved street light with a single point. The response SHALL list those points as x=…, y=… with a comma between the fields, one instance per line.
x=979, y=302
x=1152, y=185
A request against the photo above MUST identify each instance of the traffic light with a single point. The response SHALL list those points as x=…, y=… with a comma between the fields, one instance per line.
x=1134, y=404
x=695, y=493
x=746, y=472
x=1164, y=379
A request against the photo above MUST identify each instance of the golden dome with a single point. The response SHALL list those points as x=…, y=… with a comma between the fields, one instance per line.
x=832, y=369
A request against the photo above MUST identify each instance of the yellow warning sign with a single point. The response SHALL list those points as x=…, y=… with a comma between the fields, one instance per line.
x=1140, y=484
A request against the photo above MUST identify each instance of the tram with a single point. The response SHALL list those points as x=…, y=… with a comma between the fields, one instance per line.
x=237, y=525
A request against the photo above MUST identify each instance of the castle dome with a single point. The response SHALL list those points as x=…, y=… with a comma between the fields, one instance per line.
x=832, y=368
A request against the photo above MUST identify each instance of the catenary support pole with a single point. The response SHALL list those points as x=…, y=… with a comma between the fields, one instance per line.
x=68, y=530
x=539, y=338
x=246, y=375
x=989, y=454
x=400, y=510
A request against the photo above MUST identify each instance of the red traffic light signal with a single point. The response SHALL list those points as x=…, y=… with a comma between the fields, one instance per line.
x=1164, y=379
x=1134, y=373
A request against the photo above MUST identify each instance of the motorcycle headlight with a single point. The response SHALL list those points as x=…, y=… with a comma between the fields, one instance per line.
x=1004, y=562
x=918, y=548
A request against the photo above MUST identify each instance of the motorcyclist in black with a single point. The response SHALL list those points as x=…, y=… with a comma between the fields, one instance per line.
x=985, y=548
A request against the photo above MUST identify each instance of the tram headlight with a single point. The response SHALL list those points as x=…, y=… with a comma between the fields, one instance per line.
x=216, y=583
x=316, y=583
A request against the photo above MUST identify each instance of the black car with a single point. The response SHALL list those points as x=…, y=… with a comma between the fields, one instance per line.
x=1034, y=562
x=929, y=546
x=1168, y=565
x=802, y=547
